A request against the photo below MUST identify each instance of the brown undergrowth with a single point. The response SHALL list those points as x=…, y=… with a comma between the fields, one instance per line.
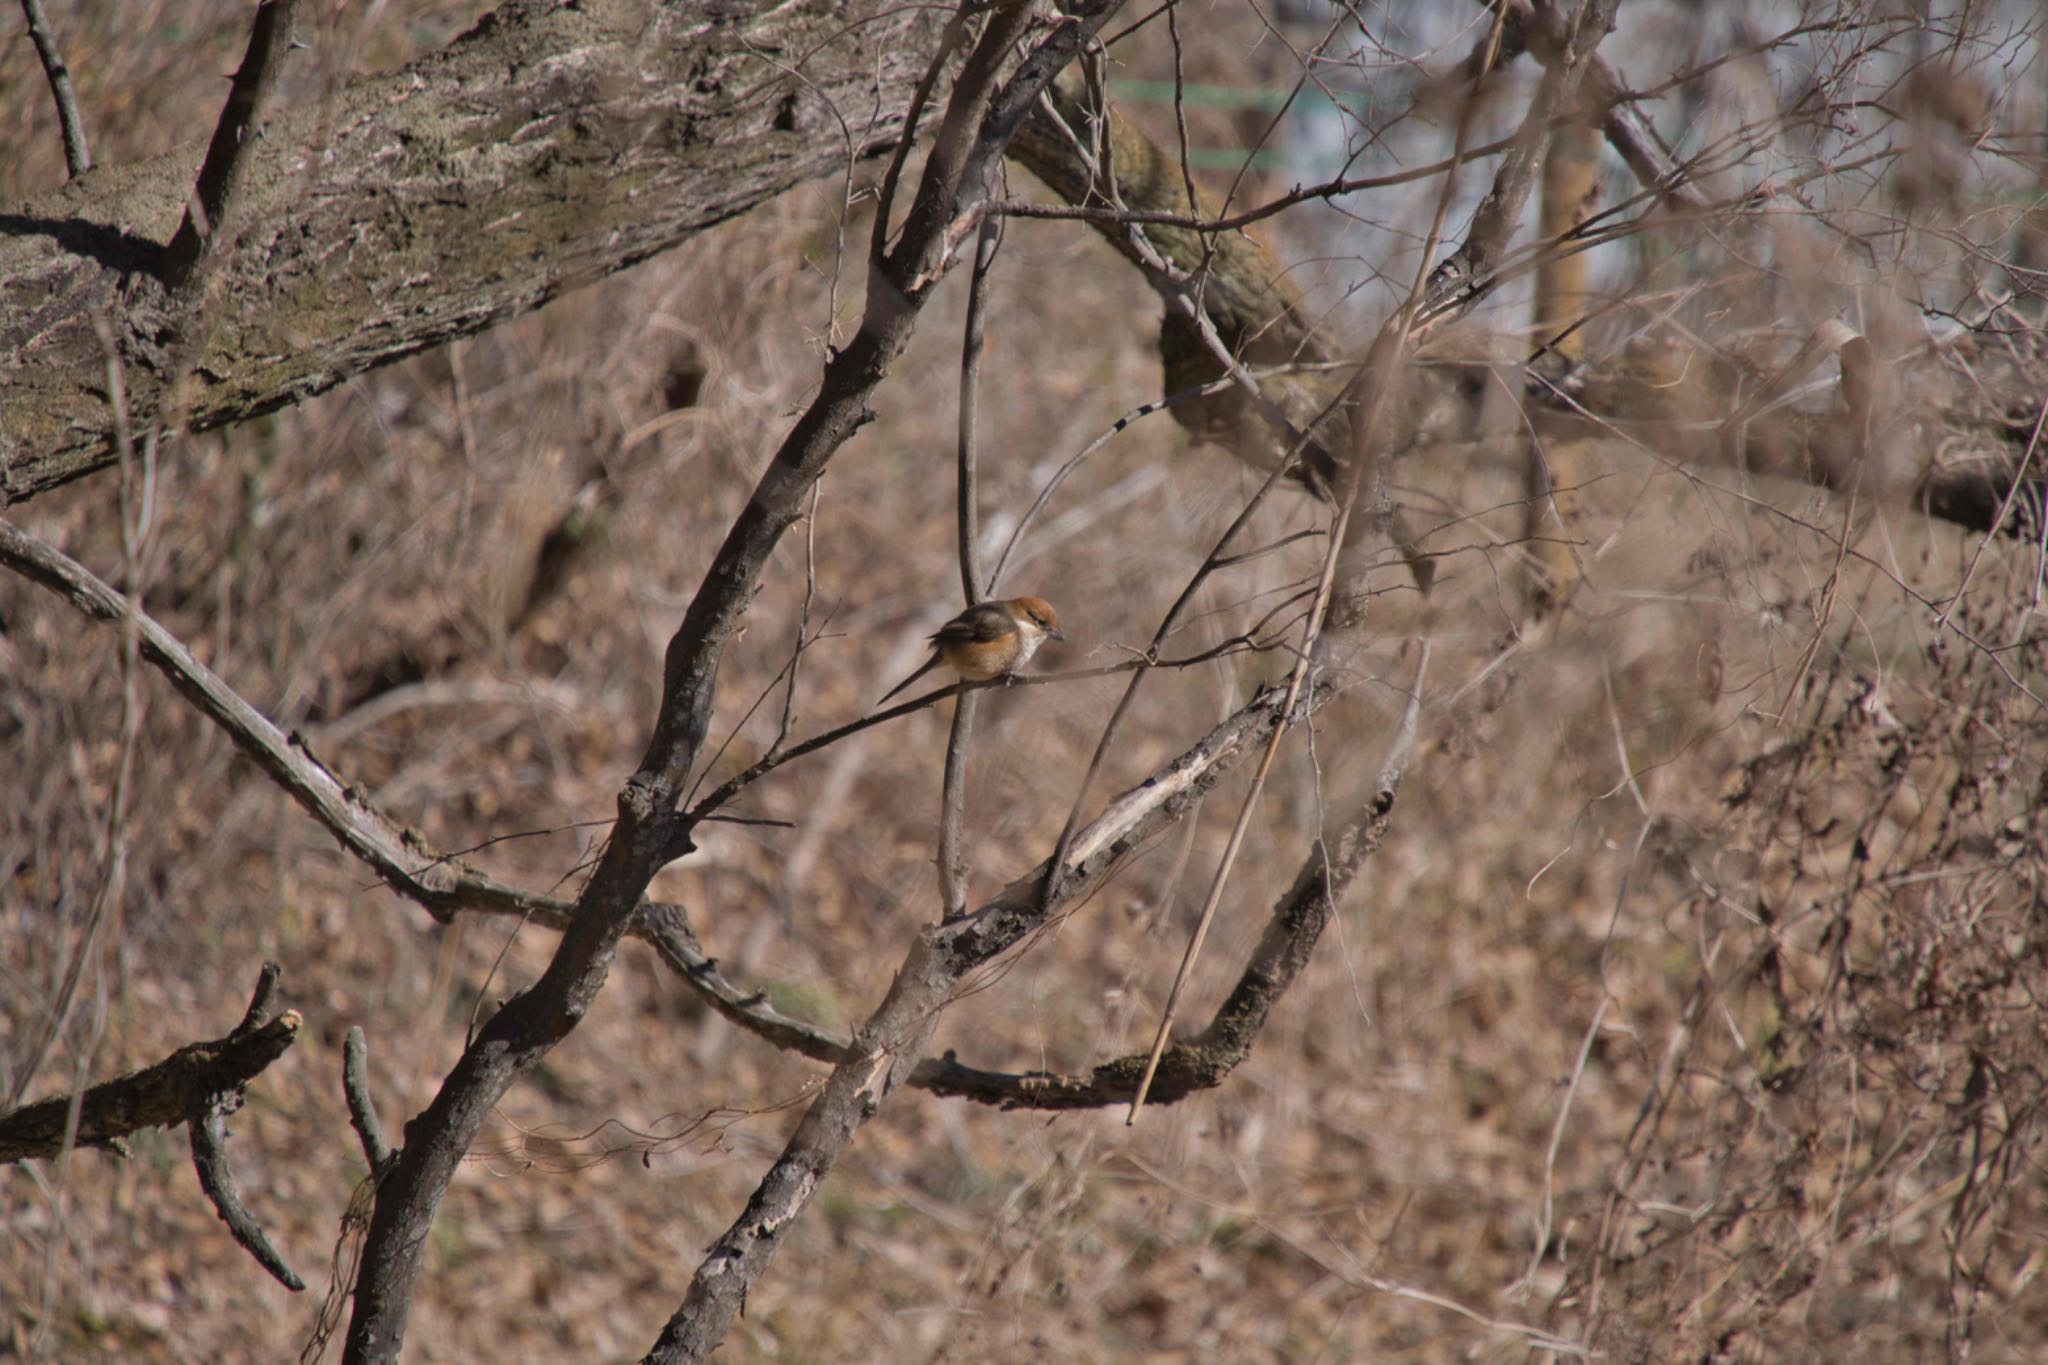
x=1690, y=1012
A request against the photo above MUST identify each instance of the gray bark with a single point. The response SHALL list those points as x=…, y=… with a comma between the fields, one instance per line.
x=549, y=146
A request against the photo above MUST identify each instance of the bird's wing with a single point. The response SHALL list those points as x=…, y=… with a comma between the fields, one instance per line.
x=977, y=625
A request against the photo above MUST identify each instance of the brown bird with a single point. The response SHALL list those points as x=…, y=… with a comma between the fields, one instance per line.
x=989, y=640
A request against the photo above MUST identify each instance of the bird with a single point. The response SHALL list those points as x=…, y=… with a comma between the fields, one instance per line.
x=989, y=640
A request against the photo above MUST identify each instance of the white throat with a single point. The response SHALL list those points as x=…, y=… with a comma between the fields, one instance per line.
x=1029, y=638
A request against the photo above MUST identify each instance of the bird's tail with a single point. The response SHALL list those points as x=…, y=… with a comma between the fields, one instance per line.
x=928, y=666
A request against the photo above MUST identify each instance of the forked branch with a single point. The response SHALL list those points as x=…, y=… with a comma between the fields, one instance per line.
x=198, y=1085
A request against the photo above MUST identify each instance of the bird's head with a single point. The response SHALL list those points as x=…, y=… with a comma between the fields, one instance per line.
x=1035, y=613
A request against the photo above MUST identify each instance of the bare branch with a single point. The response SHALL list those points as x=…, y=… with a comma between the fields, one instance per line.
x=362, y=1106
x=77, y=156
x=391, y=850
x=154, y=1097
x=206, y=1126
x=972, y=584
x=979, y=118
x=888, y=1047
x=1291, y=934
x=228, y=155
x=953, y=811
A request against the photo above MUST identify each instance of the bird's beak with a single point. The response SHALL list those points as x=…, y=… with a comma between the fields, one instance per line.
x=1057, y=634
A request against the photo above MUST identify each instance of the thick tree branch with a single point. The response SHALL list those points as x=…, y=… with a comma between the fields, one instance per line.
x=549, y=146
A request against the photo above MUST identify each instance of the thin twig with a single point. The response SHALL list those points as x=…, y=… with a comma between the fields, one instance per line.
x=953, y=789
x=1484, y=242
x=77, y=156
x=972, y=585
x=804, y=640
x=1081, y=456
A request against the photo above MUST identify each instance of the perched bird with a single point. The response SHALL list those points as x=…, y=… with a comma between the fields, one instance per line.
x=989, y=640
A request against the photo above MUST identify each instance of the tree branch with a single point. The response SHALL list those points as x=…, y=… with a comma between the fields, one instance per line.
x=154, y=1097
x=198, y=1085
x=398, y=214
x=888, y=1046
x=362, y=1106
x=231, y=152
x=649, y=827
x=1291, y=934
x=206, y=1127
x=395, y=853
x=77, y=156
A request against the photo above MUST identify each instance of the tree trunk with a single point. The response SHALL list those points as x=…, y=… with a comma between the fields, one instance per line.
x=549, y=146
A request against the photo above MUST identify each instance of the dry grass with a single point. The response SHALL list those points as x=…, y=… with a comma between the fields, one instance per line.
x=1741, y=826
